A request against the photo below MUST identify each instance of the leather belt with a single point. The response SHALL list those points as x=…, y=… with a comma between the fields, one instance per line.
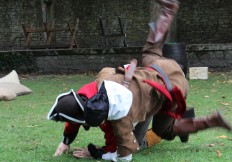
x=129, y=73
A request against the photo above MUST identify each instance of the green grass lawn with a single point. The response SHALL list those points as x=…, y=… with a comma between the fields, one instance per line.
x=27, y=136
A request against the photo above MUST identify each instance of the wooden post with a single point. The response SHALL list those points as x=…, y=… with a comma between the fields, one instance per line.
x=44, y=17
x=27, y=35
x=48, y=30
x=73, y=33
x=104, y=31
x=123, y=32
x=51, y=17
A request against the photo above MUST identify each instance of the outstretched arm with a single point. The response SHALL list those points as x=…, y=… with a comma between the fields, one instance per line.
x=70, y=133
x=62, y=149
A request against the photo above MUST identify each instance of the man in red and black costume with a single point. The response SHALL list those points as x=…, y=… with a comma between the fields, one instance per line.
x=130, y=98
x=68, y=108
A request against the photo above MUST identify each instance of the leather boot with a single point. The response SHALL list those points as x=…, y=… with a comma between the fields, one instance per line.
x=159, y=30
x=152, y=138
x=190, y=113
x=186, y=126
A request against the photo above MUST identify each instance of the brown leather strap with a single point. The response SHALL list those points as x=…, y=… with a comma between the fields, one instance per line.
x=129, y=73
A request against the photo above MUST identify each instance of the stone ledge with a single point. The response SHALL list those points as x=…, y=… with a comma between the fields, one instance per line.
x=209, y=47
x=79, y=51
x=214, y=56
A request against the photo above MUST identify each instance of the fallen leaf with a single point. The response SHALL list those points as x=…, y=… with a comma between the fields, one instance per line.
x=31, y=126
x=229, y=81
x=221, y=144
x=223, y=136
x=219, y=154
x=211, y=145
x=225, y=104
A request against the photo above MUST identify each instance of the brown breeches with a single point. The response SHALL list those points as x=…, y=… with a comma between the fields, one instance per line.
x=162, y=125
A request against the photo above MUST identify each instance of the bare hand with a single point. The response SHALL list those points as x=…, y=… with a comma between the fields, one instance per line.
x=81, y=153
x=62, y=149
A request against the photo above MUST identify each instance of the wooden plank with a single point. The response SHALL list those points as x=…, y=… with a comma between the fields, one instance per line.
x=73, y=33
x=27, y=35
x=48, y=30
x=123, y=32
x=104, y=31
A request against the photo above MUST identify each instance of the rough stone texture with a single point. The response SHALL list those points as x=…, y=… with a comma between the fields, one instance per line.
x=198, y=73
x=15, y=13
x=85, y=60
x=12, y=15
x=89, y=34
x=216, y=57
x=75, y=60
x=204, y=26
x=204, y=21
x=198, y=22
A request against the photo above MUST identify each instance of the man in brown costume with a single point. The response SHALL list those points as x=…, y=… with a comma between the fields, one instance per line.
x=130, y=98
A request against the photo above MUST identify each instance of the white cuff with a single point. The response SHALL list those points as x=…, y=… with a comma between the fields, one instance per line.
x=125, y=158
x=110, y=156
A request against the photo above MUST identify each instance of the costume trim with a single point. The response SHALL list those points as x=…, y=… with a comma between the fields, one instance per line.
x=52, y=114
x=170, y=93
x=120, y=100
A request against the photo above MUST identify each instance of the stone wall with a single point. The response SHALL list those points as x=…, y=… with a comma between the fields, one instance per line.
x=204, y=21
x=12, y=15
x=89, y=34
x=217, y=57
x=84, y=60
x=15, y=13
x=198, y=22
x=204, y=26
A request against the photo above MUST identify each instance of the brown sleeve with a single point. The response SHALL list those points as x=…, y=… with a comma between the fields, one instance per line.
x=123, y=130
x=105, y=74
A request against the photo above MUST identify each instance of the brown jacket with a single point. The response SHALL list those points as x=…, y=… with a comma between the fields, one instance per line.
x=146, y=100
